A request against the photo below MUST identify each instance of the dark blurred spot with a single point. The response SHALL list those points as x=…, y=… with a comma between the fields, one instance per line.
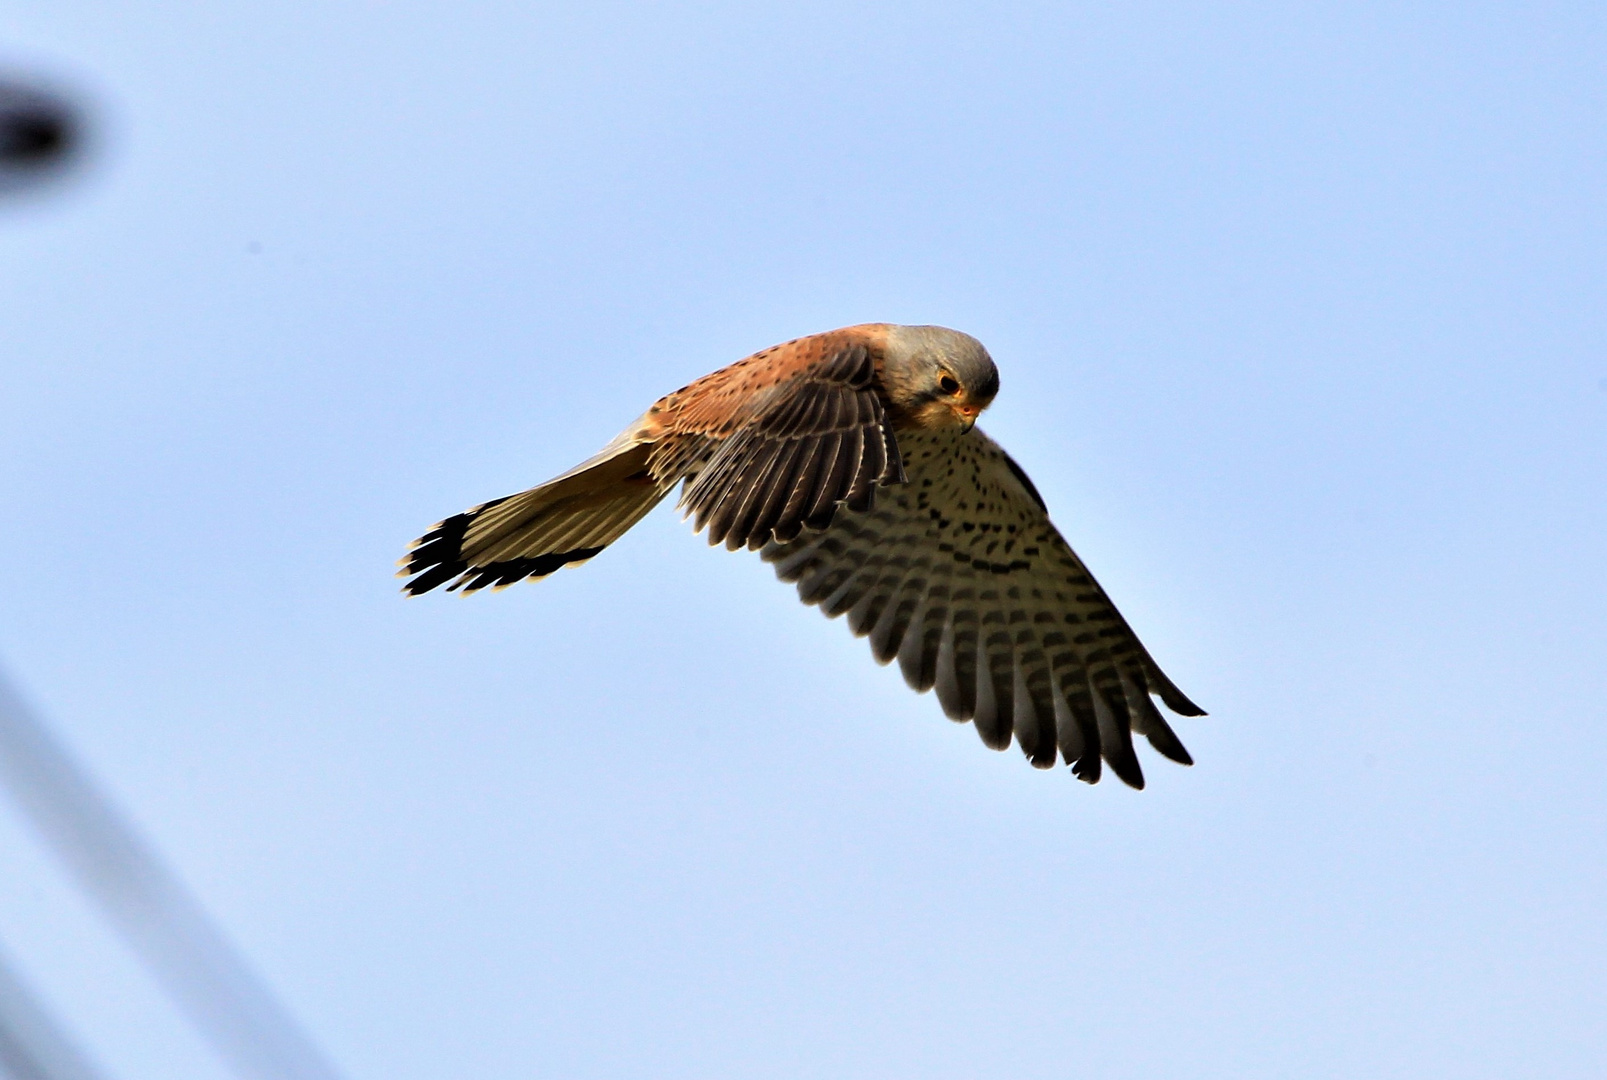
x=33, y=137
x=39, y=134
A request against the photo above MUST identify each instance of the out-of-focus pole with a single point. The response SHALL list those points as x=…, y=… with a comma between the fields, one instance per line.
x=166, y=926
x=32, y=1045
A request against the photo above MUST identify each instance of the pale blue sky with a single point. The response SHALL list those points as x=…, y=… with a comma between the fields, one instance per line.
x=1300, y=316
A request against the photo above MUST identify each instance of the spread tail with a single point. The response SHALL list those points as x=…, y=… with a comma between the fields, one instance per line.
x=529, y=535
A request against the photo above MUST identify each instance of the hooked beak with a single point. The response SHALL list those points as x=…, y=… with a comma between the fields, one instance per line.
x=967, y=415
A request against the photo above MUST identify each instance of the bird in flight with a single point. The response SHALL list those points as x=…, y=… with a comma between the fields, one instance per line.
x=851, y=461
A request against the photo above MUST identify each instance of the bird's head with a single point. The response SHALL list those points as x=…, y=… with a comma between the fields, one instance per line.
x=937, y=378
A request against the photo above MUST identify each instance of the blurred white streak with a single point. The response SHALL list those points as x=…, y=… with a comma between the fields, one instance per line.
x=149, y=905
x=32, y=1046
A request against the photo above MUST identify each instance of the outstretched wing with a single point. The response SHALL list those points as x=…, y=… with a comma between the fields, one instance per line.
x=961, y=576
x=783, y=438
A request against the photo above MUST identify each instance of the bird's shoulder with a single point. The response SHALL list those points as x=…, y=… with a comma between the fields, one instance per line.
x=723, y=400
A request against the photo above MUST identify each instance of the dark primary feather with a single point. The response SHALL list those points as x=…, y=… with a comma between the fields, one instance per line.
x=961, y=577
x=820, y=440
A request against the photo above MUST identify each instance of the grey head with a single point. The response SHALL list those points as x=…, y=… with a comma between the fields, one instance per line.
x=937, y=377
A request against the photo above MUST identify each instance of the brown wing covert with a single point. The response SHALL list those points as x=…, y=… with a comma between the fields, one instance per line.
x=807, y=445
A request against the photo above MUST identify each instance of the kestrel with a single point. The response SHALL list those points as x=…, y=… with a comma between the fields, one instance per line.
x=851, y=461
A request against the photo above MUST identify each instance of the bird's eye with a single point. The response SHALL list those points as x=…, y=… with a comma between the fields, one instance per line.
x=949, y=384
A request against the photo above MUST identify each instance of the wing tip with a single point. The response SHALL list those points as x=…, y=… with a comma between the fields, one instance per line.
x=1129, y=773
x=1168, y=692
